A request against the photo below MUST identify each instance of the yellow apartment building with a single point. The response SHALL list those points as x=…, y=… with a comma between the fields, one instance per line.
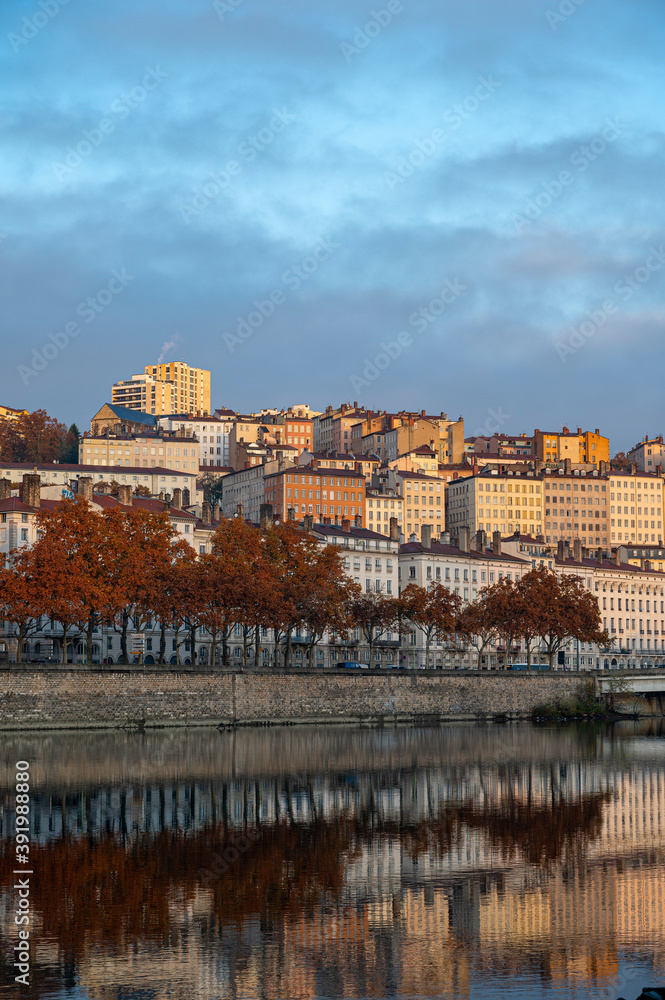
x=497, y=501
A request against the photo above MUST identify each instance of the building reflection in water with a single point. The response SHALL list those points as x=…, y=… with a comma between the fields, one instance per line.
x=266, y=865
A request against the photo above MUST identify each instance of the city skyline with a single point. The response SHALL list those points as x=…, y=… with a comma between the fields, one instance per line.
x=485, y=202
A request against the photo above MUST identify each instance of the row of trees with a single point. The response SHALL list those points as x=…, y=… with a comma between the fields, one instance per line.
x=36, y=437
x=130, y=571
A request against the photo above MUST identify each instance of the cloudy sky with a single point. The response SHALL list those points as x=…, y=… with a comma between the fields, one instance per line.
x=450, y=204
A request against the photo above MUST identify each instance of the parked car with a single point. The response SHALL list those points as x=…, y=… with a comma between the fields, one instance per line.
x=353, y=664
x=525, y=666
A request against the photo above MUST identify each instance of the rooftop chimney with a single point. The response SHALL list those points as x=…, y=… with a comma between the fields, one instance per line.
x=125, y=495
x=186, y=499
x=265, y=515
x=31, y=490
x=616, y=557
x=177, y=498
x=85, y=487
x=577, y=550
x=600, y=554
x=394, y=529
x=308, y=522
x=206, y=515
x=445, y=538
x=346, y=524
x=5, y=489
x=496, y=543
x=464, y=539
x=567, y=466
x=481, y=540
x=561, y=550
x=358, y=521
x=426, y=536
x=290, y=514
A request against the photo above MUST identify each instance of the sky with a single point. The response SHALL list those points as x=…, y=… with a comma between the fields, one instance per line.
x=454, y=205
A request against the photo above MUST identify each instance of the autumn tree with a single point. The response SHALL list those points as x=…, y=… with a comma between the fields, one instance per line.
x=374, y=614
x=328, y=599
x=291, y=558
x=211, y=485
x=21, y=596
x=561, y=608
x=620, y=462
x=141, y=548
x=33, y=437
x=435, y=611
x=481, y=622
x=69, y=554
x=69, y=450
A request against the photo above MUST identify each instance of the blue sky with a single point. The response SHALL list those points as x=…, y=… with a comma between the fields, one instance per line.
x=179, y=162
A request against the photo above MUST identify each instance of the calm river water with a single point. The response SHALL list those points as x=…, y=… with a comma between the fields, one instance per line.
x=462, y=861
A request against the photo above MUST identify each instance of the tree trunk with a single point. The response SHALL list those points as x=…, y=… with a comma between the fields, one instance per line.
x=162, y=642
x=192, y=643
x=88, y=637
x=22, y=630
x=225, y=646
x=123, y=637
x=427, y=645
x=245, y=643
x=287, y=650
x=311, y=651
x=64, y=644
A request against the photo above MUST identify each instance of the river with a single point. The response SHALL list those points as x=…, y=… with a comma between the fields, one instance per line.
x=499, y=861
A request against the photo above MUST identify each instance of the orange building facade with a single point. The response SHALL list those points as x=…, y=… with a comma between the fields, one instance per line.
x=336, y=494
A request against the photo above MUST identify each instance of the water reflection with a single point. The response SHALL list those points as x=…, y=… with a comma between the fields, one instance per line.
x=342, y=863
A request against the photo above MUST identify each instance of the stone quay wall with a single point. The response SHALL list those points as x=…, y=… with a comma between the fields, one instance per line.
x=32, y=699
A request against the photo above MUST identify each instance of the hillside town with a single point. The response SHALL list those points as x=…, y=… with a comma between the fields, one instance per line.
x=406, y=499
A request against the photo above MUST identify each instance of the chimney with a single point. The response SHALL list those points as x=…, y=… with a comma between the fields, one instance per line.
x=214, y=512
x=346, y=524
x=464, y=542
x=125, y=495
x=577, y=550
x=31, y=490
x=648, y=565
x=206, y=516
x=481, y=540
x=85, y=487
x=600, y=555
x=358, y=521
x=633, y=468
x=567, y=466
x=265, y=515
x=426, y=536
x=240, y=511
x=327, y=520
x=186, y=499
x=444, y=538
x=177, y=498
x=308, y=522
x=394, y=529
x=290, y=514
x=496, y=543
x=5, y=489
x=616, y=557
x=561, y=550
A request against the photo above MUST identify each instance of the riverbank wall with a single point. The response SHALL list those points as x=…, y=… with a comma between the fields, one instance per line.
x=38, y=699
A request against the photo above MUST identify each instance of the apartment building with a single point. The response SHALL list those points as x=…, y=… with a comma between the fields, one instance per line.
x=11, y=413
x=647, y=455
x=442, y=435
x=636, y=506
x=157, y=480
x=304, y=490
x=576, y=506
x=243, y=491
x=331, y=431
x=384, y=508
x=165, y=388
x=164, y=448
x=191, y=386
x=212, y=432
x=586, y=447
x=290, y=427
x=495, y=500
